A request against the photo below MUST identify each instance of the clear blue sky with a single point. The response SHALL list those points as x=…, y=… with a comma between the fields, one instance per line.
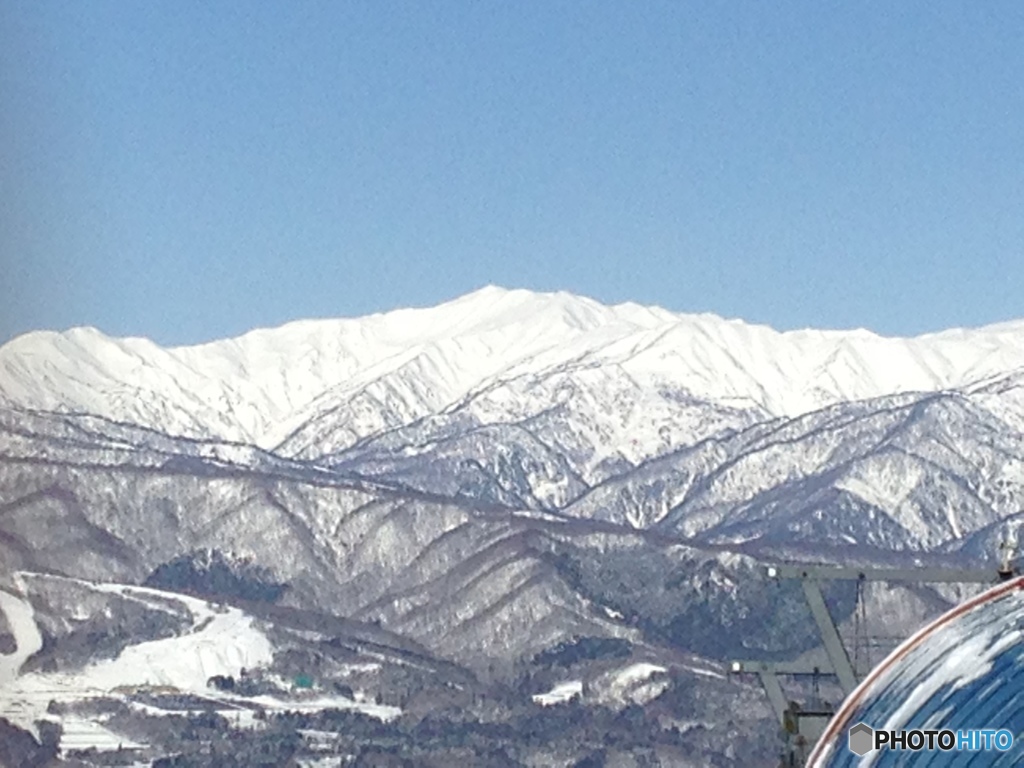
x=190, y=170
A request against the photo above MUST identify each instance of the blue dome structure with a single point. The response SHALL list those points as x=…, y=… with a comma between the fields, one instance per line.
x=964, y=671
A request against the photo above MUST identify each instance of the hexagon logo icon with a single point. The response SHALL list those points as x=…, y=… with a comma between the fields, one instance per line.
x=862, y=739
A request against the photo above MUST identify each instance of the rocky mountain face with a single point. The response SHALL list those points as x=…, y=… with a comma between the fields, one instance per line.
x=486, y=480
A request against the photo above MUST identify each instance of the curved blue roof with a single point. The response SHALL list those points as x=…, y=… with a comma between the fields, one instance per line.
x=963, y=671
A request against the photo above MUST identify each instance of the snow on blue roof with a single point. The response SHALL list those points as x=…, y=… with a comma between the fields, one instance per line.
x=965, y=671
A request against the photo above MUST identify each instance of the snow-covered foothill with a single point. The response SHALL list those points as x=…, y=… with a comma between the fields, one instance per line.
x=222, y=641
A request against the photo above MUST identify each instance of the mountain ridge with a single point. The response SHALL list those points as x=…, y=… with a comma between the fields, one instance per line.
x=264, y=385
x=489, y=291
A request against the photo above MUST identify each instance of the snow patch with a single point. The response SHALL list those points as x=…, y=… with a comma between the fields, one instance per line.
x=80, y=733
x=560, y=694
x=27, y=638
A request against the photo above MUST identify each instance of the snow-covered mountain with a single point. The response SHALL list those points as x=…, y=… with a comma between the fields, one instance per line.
x=901, y=472
x=316, y=387
x=488, y=479
x=638, y=417
x=712, y=429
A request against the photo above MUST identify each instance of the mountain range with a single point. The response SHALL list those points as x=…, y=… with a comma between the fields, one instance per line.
x=490, y=479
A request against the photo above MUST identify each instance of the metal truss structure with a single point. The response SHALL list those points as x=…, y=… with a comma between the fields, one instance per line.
x=802, y=727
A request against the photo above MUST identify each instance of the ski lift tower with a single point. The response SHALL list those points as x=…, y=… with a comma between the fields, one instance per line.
x=802, y=727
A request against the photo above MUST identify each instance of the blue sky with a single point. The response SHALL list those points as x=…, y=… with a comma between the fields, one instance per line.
x=187, y=171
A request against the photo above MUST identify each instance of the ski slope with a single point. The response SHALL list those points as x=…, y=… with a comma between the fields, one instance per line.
x=221, y=641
